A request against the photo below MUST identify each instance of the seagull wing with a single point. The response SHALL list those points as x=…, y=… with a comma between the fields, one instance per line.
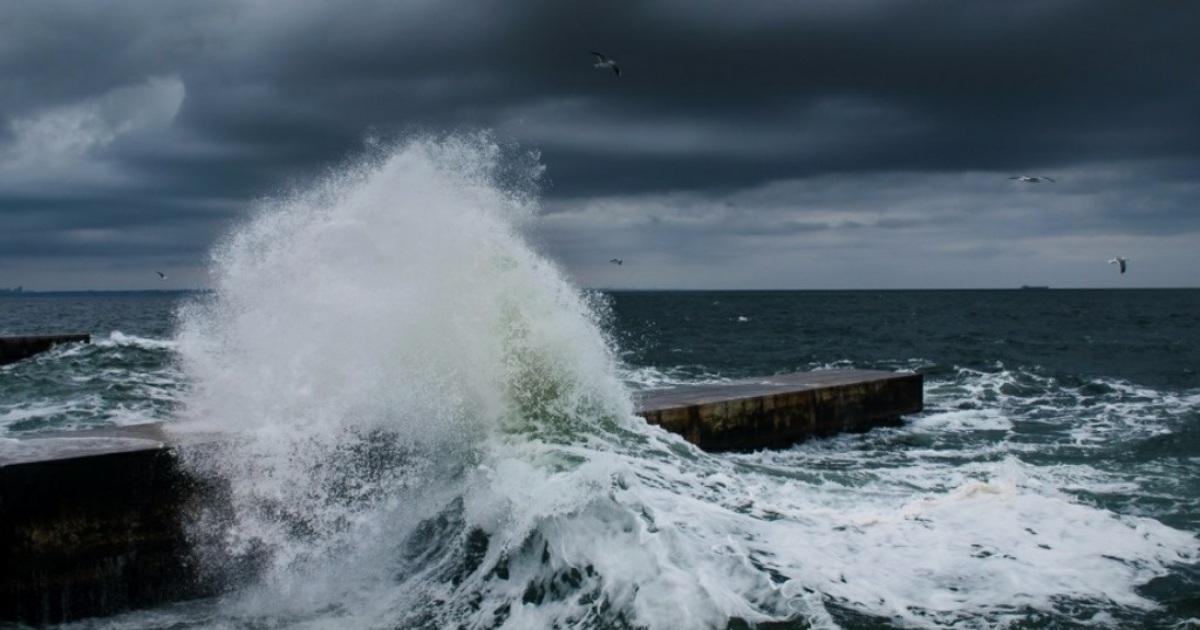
x=1047, y=179
x=599, y=56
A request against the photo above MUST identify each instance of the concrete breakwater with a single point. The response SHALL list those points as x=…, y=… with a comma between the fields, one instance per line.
x=13, y=349
x=93, y=522
x=90, y=525
x=780, y=410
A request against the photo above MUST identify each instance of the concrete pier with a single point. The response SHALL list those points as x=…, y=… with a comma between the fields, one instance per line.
x=92, y=522
x=13, y=349
x=777, y=411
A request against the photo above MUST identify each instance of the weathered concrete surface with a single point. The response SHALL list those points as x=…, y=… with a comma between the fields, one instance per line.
x=93, y=523
x=777, y=411
x=13, y=349
x=90, y=524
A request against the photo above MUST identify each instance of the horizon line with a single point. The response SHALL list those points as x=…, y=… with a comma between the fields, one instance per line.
x=28, y=292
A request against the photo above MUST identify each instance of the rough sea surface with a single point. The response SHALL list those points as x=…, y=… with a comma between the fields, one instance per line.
x=452, y=444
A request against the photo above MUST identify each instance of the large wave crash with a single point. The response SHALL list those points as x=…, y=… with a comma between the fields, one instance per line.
x=428, y=428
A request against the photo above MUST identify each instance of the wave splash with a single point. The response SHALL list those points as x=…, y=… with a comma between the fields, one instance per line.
x=428, y=421
x=428, y=427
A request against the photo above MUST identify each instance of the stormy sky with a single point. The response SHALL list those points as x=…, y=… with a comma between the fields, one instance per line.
x=756, y=144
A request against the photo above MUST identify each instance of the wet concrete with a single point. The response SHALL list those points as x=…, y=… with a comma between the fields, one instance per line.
x=90, y=525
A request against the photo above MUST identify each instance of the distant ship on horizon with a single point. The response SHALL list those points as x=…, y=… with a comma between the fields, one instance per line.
x=1027, y=287
x=12, y=290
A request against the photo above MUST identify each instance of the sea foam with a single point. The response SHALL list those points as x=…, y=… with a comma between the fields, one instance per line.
x=428, y=427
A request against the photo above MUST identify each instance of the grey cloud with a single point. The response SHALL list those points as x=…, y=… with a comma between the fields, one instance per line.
x=813, y=119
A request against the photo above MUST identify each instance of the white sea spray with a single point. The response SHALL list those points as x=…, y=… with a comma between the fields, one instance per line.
x=427, y=427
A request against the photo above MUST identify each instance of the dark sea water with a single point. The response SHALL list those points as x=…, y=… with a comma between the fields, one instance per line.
x=125, y=376
x=1052, y=481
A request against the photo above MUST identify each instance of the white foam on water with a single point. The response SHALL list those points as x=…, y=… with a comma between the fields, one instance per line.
x=1126, y=411
x=117, y=339
x=650, y=377
x=427, y=428
x=115, y=380
x=984, y=419
x=993, y=539
x=82, y=410
x=25, y=411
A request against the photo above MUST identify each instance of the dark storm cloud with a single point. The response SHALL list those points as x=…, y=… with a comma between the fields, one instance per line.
x=981, y=85
x=240, y=99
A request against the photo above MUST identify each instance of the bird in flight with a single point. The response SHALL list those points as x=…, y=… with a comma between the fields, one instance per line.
x=1118, y=261
x=1032, y=179
x=605, y=62
x=616, y=261
x=161, y=275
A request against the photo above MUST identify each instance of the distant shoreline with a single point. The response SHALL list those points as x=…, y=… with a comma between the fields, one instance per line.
x=147, y=292
x=910, y=290
x=1038, y=288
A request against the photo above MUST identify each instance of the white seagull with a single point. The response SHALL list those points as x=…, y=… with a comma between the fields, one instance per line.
x=605, y=62
x=1032, y=179
x=1120, y=262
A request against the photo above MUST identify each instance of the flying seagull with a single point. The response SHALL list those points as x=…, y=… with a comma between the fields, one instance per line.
x=1032, y=179
x=1120, y=262
x=161, y=275
x=616, y=261
x=605, y=62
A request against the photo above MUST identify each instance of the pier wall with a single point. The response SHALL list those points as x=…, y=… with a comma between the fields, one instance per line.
x=93, y=522
x=13, y=349
x=778, y=411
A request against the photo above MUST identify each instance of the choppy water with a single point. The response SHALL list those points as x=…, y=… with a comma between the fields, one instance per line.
x=438, y=432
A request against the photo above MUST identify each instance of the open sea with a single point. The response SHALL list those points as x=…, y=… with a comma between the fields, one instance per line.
x=452, y=444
